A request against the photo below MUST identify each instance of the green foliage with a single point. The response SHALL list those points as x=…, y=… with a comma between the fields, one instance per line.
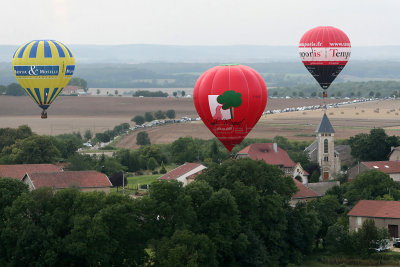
x=170, y=114
x=15, y=89
x=163, y=170
x=185, y=248
x=230, y=99
x=315, y=177
x=159, y=115
x=73, y=228
x=33, y=149
x=184, y=150
x=88, y=135
x=152, y=164
x=79, y=82
x=328, y=210
x=371, y=185
x=374, y=146
x=138, y=119
x=148, y=116
x=142, y=138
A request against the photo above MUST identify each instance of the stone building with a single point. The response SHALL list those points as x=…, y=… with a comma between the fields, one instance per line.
x=324, y=152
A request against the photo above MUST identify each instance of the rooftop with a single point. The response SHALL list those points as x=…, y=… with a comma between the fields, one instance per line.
x=325, y=125
x=376, y=208
x=383, y=166
x=304, y=192
x=18, y=171
x=266, y=152
x=59, y=180
x=180, y=171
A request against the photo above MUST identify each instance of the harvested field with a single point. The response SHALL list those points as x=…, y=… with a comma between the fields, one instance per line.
x=98, y=114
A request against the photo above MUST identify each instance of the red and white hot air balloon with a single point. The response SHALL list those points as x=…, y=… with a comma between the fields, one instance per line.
x=230, y=99
x=325, y=51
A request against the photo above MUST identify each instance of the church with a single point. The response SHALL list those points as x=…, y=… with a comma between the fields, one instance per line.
x=330, y=157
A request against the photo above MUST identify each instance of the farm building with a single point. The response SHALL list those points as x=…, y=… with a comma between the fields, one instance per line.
x=184, y=173
x=84, y=180
x=274, y=155
x=18, y=171
x=392, y=168
x=386, y=214
x=323, y=150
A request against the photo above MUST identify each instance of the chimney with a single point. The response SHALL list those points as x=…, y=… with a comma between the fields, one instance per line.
x=275, y=146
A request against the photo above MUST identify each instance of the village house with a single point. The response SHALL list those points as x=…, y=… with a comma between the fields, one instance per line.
x=394, y=154
x=18, y=171
x=386, y=214
x=274, y=155
x=84, y=180
x=184, y=173
x=392, y=168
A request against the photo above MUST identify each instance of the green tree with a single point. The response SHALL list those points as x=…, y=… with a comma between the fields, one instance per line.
x=152, y=164
x=175, y=94
x=184, y=150
x=185, y=248
x=116, y=92
x=34, y=149
x=3, y=89
x=148, y=116
x=371, y=94
x=163, y=170
x=88, y=135
x=170, y=114
x=371, y=185
x=143, y=139
x=159, y=115
x=183, y=93
x=79, y=82
x=138, y=119
x=229, y=100
x=15, y=89
x=98, y=91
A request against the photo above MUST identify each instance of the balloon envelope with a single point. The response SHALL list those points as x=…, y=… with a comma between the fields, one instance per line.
x=43, y=68
x=230, y=99
x=324, y=51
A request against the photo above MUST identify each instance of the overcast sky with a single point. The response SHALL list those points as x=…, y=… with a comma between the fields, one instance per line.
x=196, y=22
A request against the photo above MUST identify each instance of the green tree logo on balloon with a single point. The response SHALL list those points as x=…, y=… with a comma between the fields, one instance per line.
x=230, y=99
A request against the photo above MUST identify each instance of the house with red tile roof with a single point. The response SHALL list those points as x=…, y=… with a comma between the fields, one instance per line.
x=386, y=214
x=274, y=155
x=184, y=173
x=303, y=194
x=84, y=180
x=18, y=171
x=392, y=168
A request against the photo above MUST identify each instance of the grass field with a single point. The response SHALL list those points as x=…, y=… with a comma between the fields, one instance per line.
x=134, y=181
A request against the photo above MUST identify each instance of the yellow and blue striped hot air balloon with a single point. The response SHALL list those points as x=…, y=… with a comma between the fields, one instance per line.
x=43, y=68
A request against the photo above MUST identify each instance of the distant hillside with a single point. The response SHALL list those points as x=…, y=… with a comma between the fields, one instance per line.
x=142, y=53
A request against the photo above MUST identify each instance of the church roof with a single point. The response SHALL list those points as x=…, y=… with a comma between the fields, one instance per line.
x=325, y=125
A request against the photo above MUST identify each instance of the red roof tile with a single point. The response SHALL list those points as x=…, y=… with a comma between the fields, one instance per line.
x=18, y=171
x=376, y=208
x=265, y=151
x=179, y=171
x=304, y=191
x=383, y=166
x=82, y=179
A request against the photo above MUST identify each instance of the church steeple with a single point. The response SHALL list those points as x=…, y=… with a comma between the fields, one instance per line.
x=325, y=126
x=326, y=148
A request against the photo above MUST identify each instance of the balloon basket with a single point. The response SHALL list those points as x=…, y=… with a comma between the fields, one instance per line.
x=44, y=115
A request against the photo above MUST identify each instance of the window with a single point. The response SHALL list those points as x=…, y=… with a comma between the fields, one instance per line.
x=326, y=158
x=359, y=220
x=326, y=146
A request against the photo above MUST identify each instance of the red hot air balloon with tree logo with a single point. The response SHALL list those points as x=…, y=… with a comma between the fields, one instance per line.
x=324, y=51
x=230, y=100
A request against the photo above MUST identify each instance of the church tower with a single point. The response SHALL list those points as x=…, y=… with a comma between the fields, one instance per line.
x=326, y=149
